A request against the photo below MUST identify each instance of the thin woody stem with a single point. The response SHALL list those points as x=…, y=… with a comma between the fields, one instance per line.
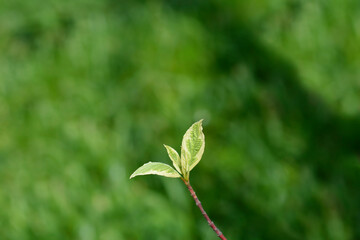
x=198, y=203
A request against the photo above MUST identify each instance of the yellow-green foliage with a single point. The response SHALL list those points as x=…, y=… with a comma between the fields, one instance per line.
x=192, y=149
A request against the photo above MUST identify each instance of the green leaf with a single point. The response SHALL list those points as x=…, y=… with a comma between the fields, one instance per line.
x=156, y=168
x=192, y=147
x=174, y=156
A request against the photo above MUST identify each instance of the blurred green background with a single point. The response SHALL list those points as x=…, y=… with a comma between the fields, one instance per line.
x=90, y=90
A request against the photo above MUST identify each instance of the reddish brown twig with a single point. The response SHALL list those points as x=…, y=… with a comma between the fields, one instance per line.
x=198, y=203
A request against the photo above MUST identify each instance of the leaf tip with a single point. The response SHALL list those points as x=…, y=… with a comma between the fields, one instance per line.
x=200, y=121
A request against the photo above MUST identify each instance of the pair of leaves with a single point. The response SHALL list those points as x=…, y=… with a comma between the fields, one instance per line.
x=192, y=149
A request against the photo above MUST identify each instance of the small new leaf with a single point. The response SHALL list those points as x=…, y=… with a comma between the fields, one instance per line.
x=156, y=168
x=174, y=156
x=192, y=147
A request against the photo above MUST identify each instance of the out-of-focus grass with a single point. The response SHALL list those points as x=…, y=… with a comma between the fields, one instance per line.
x=89, y=90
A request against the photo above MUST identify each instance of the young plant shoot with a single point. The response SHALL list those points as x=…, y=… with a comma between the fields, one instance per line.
x=192, y=149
